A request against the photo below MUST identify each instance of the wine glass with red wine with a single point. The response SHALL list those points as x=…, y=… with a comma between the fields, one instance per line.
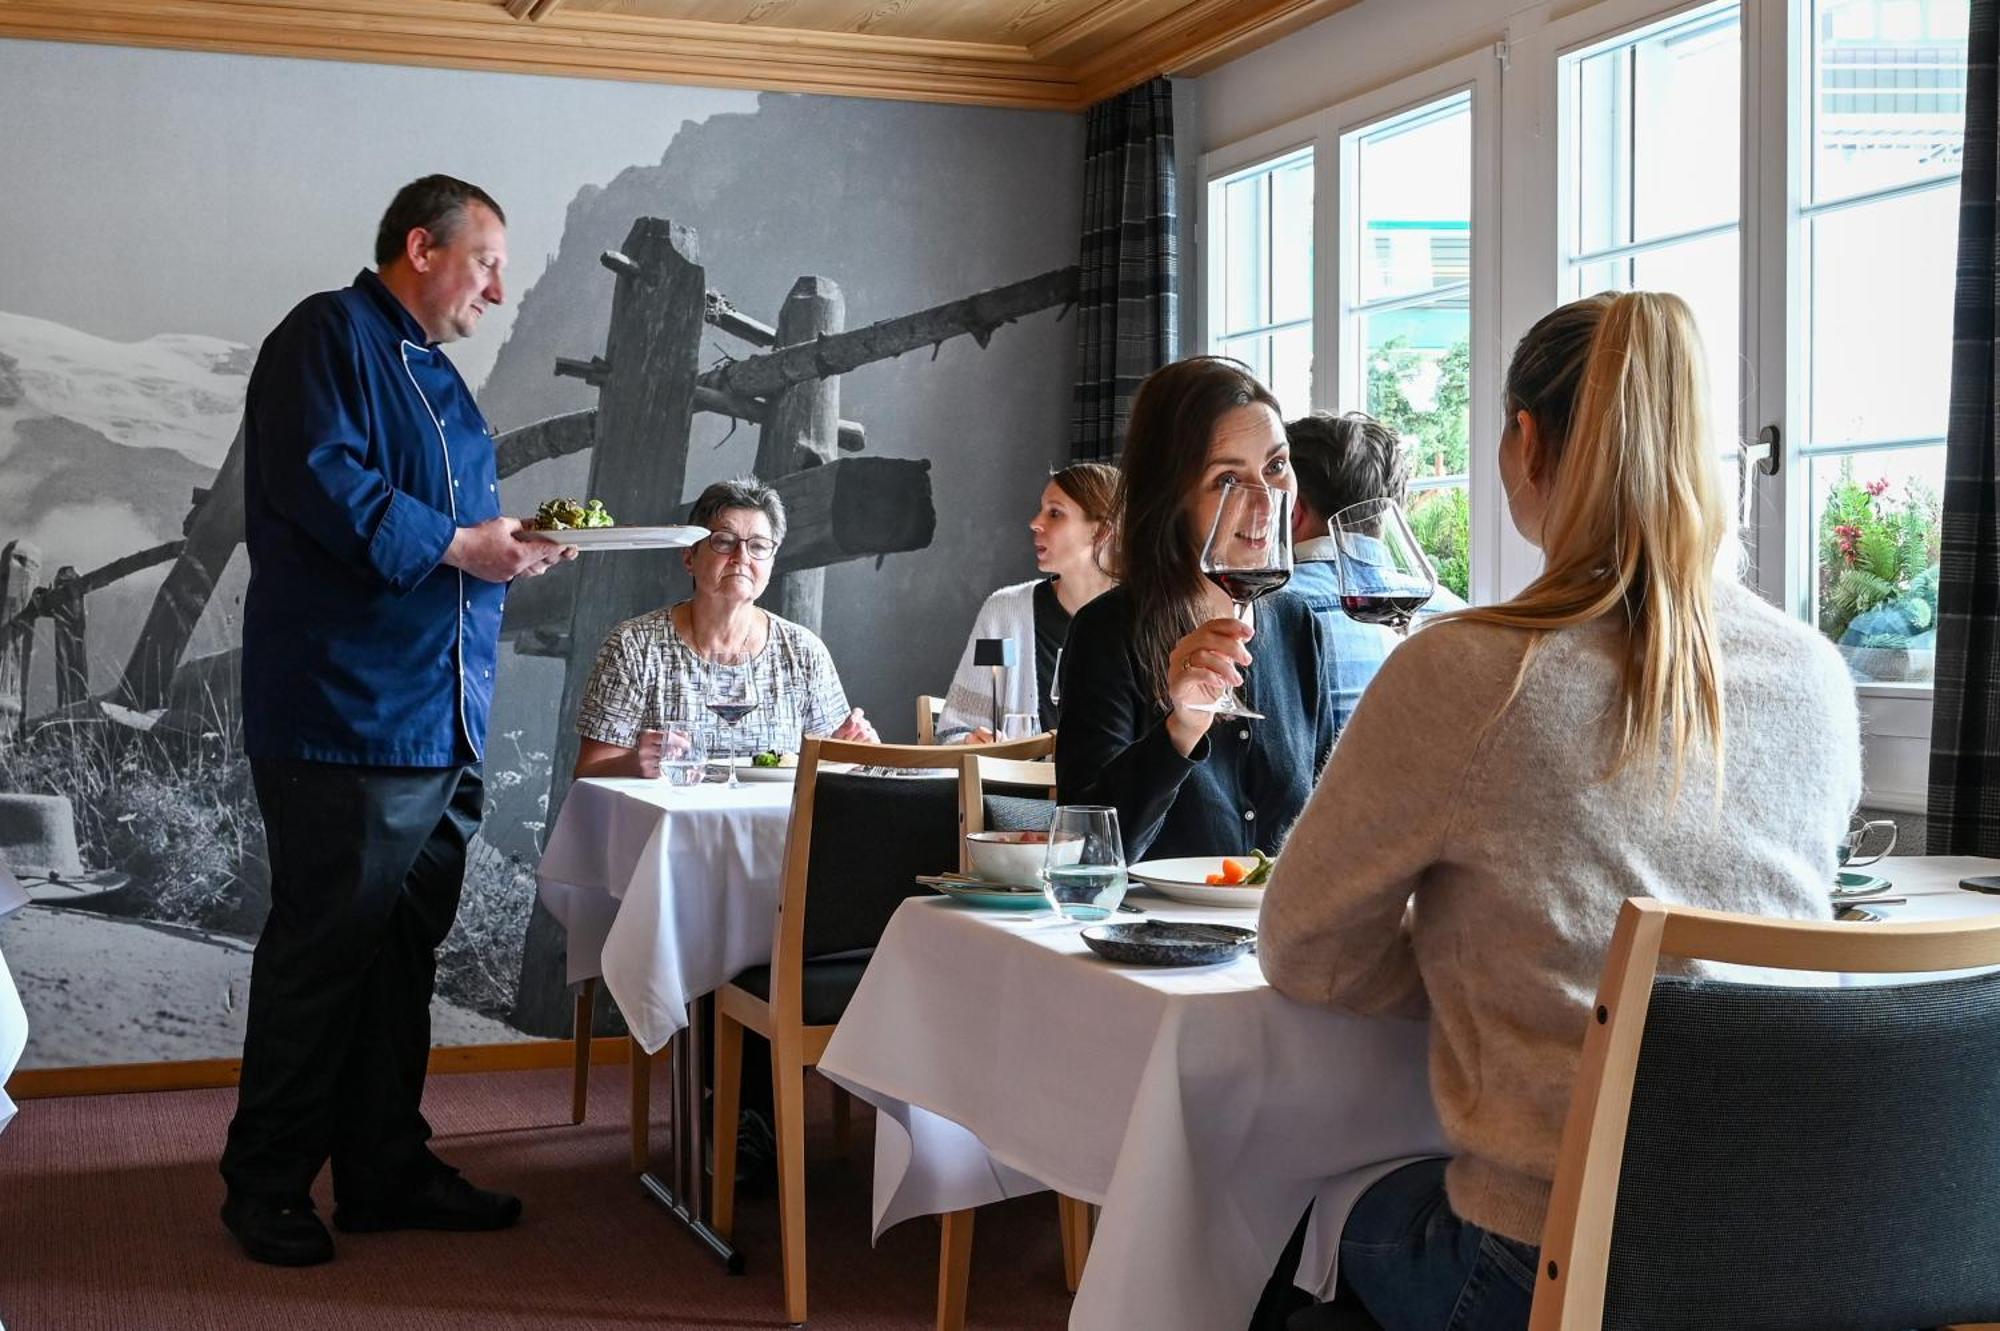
x=731, y=696
x=1248, y=555
x=1385, y=578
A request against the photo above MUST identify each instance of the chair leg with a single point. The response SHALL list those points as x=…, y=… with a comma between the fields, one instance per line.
x=728, y=1098
x=642, y=1108
x=954, y=1269
x=788, y=1084
x=1074, y=1219
x=579, y=1095
x=843, y=1120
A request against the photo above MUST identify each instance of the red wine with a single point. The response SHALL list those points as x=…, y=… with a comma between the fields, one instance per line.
x=1247, y=584
x=732, y=712
x=1394, y=611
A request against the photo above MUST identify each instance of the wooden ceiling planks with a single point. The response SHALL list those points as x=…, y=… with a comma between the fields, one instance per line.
x=1043, y=54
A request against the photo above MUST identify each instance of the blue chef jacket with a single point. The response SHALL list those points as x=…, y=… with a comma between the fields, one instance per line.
x=363, y=452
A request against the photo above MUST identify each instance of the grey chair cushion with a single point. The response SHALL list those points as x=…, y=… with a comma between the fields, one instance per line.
x=828, y=986
x=1018, y=813
x=1811, y=1159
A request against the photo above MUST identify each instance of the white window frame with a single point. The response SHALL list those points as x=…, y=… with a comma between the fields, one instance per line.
x=1477, y=73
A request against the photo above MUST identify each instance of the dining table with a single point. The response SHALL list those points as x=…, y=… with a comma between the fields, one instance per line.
x=1201, y=1110
x=13, y=1018
x=667, y=892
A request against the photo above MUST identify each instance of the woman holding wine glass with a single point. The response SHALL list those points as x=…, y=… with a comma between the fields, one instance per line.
x=773, y=682
x=1198, y=713
x=1633, y=723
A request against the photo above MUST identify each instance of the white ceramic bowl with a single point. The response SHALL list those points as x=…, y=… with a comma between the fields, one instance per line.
x=1015, y=857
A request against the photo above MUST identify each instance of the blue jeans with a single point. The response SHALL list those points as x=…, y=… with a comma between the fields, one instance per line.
x=1416, y=1266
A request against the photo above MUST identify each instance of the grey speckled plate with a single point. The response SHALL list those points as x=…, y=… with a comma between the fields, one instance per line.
x=1169, y=942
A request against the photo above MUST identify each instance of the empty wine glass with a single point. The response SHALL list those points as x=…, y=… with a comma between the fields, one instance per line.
x=1248, y=555
x=731, y=696
x=1083, y=874
x=1385, y=577
x=1055, y=680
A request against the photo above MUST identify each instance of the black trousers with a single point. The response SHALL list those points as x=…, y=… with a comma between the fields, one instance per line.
x=366, y=866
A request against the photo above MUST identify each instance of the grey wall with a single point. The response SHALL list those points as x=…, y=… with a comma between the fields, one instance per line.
x=164, y=209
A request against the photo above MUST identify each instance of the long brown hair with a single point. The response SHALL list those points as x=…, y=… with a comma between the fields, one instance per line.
x=1166, y=451
x=1634, y=525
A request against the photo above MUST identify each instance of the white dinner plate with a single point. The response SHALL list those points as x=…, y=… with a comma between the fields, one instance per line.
x=1186, y=880
x=623, y=538
x=718, y=770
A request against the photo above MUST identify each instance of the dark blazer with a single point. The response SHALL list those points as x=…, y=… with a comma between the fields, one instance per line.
x=1246, y=781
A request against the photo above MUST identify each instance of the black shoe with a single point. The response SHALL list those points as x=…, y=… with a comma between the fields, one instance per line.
x=277, y=1232
x=442, y=1201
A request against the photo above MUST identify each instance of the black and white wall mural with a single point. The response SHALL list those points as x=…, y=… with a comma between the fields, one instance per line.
x=165, y=209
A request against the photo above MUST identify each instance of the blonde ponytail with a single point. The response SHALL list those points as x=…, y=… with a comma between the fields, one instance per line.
x=1634, y=522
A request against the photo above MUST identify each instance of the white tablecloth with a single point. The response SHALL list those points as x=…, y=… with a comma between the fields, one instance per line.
x=13, y=1020
x=667, y=892
x=1200, y=1108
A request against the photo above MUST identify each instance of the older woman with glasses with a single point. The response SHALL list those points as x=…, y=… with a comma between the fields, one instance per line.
x=664, y=664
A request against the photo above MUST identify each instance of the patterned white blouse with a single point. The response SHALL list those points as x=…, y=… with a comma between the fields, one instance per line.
x=646, y=674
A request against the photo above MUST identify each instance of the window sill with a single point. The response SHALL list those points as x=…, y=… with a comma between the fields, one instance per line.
x=1908, y=692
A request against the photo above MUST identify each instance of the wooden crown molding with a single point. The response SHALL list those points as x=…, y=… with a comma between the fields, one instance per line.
x=1105, y=49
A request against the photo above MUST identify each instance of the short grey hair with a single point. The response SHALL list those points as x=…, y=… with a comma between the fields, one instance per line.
x=740, y=492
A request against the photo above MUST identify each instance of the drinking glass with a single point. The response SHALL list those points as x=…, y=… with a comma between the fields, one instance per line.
x=1083, y=874
x=731, y=696
x=1055, y=680
x=683, y=756
x=1385, y=576
x=1020, y=725
x=1848, y=849
x=1248, y=554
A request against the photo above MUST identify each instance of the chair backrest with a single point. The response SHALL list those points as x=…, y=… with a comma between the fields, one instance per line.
x=1768, y=1158
x=855, y=844
x=1005, y=794
x=929, y=708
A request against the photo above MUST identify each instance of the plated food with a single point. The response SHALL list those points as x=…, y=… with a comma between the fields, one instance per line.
x=570, y=515
x=1205, y=880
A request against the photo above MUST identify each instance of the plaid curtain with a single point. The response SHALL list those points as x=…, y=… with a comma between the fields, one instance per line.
x=1128, y=292
x=1964, y=810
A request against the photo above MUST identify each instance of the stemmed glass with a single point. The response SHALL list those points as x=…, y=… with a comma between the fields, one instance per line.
x=1385, y=577
x=731, y=696
x=1055, y=680
x=1248, y=555
x=1083, y=873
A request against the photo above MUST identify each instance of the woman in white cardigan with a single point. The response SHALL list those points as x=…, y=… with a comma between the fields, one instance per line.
x=1072, y=530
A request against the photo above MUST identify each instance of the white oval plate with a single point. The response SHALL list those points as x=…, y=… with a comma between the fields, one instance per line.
x=623, y=538
x=718, y=770
x=1186, y=880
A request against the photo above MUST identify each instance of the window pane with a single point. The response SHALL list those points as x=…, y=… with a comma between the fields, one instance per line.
x=1875, y=550
x=1414, y=210
x=1292, y=241
x=1418, y=363
x=1879, y=318
x=1290, y=378
x=1441, y=520
x=1888, y=94
x=1657, y=133
x=1254, y=351
x=1243, y=257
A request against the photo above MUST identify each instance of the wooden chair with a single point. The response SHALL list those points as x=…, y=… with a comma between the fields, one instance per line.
x=852, y=851
x=929, y=709
x=1768, y=1158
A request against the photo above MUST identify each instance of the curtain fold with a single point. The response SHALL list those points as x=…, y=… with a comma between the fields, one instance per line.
x=1128, y=297
x=1964, y=806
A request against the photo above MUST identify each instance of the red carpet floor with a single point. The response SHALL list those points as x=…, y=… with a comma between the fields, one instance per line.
x=108, y=1220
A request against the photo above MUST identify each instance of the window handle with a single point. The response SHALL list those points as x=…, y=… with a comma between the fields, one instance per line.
x=1768, y=452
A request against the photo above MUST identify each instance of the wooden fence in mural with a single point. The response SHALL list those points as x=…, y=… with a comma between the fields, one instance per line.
x=650, y=384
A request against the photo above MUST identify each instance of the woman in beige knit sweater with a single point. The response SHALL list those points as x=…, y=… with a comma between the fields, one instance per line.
x=1634, y=723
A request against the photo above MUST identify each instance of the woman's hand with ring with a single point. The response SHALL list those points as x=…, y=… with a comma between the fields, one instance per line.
x=1203, y=666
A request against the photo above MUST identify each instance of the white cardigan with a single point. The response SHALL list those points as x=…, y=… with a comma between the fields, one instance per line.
x=1008, y=613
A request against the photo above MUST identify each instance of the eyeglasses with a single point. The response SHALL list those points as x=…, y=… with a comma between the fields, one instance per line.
x=724, y=543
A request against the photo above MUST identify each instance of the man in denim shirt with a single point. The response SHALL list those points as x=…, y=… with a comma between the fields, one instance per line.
x=379, y=562
x=1338, y=461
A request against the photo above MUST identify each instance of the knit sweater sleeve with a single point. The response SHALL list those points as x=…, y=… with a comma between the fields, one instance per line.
x=1335, y=923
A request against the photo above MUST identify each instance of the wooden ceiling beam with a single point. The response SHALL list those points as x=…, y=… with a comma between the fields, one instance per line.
x=1195, y=39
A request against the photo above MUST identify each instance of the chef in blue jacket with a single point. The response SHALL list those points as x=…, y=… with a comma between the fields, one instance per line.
x=379, y=562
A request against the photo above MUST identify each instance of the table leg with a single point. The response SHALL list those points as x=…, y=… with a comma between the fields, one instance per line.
x=686, y=1199
x=954, y=1269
